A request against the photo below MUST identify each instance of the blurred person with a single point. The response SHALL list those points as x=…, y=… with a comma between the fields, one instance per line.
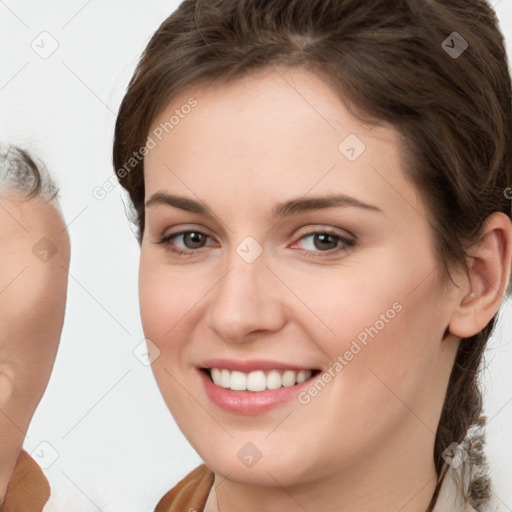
x=34, y=263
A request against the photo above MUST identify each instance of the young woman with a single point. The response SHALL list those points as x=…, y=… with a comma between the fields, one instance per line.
x=35, y=253
x=325, y=229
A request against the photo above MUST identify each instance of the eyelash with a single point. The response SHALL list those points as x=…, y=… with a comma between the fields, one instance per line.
x=346, y=243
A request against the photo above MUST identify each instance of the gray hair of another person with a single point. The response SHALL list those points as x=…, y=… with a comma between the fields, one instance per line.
x=21, y=176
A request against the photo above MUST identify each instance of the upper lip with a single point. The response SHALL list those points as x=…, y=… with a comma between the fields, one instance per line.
x=251, y=365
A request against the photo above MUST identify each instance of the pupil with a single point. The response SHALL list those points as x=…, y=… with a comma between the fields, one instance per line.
x=324, y=238
x=195, y=239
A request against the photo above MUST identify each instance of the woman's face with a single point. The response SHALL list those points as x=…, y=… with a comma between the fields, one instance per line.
x=306, y=253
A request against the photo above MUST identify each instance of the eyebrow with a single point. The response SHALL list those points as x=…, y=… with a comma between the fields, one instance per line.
x=290, y=207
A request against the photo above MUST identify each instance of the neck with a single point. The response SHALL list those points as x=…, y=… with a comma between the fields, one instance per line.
x=398, y=478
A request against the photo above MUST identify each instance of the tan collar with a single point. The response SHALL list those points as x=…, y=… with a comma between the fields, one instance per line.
x=28, y=488
x=190, y=493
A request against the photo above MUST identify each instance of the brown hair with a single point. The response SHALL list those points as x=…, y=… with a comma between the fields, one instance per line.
x=393, y=62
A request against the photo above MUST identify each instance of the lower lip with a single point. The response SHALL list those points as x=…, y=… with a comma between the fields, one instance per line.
x=250, y=403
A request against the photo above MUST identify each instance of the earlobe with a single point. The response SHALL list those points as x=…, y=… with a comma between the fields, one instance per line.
x=489, y=271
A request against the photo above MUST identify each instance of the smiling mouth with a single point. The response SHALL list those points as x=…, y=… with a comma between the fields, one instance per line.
x=259, y=380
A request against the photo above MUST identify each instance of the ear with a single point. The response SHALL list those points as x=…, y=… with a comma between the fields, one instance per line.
x=484, y=287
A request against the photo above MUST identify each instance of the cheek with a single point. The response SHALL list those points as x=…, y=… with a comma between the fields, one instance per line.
x=385, y=326
x=167, y=298
x=164, y=296
x=170, y=300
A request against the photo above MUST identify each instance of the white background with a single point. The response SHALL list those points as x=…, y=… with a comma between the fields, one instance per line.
x=118, y=447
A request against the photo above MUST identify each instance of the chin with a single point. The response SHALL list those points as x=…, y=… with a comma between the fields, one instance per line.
x=272, y=468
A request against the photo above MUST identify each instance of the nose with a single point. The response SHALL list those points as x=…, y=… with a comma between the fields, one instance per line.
x=248, y=301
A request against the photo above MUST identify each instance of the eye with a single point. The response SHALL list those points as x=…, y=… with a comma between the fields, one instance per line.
x=315, y=243
x=322, y=242
x=184, y=242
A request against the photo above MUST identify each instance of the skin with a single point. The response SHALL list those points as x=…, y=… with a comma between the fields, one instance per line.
x=32, y=301
x=365, y=442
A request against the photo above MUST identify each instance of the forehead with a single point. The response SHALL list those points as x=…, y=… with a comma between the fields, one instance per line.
x=259, y=132
x=23, y=220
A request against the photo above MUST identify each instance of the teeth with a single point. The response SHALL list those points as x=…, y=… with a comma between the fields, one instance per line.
x=238, y=381
x=273, y=379
x=288, y=379
x=215, y=373
x=302, y=376
x=258, y=380
x=225, y=378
